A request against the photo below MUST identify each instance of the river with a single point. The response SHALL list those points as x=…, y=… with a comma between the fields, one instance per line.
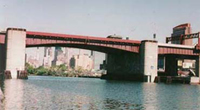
x=59, y=93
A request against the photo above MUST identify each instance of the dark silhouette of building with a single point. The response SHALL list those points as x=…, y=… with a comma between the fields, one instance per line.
x=72, y=62
x=180, y=30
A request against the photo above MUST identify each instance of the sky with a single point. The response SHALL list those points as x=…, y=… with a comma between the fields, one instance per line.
x=136, y=19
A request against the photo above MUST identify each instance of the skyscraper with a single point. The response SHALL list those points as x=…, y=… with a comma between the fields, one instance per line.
x=59, y=56
x=48, y=57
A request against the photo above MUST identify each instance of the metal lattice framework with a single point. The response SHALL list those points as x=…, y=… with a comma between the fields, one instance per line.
x=182, y=37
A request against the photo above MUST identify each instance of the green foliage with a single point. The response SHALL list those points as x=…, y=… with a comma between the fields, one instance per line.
x=62, y=67
x=80, y=69
x=30, y=69
x=42, y=71
x=60, y=70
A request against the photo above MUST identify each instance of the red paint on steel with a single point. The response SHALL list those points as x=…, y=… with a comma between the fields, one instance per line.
x=2, y=39
x=53, y=35
x=176, y=51
x=30, y=42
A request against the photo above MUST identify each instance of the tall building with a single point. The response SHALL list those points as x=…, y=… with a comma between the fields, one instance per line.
x=48, y=57
x=179, y=30
x=59, y=56
x=93, y=58
x=85, y=61
x=32, y=60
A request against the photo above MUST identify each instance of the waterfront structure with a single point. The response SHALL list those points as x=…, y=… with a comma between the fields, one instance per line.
x=177, y=36
x=125, y=59
x=179, y=31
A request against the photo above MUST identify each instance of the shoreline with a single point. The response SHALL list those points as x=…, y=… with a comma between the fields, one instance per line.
x=70, y=76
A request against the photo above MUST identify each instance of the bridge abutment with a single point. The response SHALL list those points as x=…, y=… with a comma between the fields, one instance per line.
x=171, y=64
x=149, y=59
x=123, y=66
x=197, y=69
x=15, y=51
x=2, y=58
x=133, y=66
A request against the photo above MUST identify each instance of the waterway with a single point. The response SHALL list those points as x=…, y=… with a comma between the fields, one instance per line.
x=58, y=93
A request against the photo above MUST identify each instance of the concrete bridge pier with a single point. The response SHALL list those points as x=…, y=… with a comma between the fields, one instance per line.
x=149, y=59
x=130, y=66
x=15, y=51
x=197, y=71
x=171, y=64
x=123, y=66
x=2, y=58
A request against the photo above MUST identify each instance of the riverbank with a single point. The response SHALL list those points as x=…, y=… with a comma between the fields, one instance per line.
x=98, y=76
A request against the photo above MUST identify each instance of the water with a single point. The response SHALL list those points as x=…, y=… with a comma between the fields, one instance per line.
x=56, y=93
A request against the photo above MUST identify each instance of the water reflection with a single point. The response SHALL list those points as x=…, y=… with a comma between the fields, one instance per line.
x=122, y=95
x=116, y=105
x=13, y=94
x=149, y=94
x=170, y=97
x=55, y=93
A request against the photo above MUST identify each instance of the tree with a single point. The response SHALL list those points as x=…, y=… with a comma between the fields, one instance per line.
x=62, y=67
x=30, y=69
x=42, y=71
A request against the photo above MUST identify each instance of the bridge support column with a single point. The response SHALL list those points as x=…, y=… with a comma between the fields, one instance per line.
x=123, y=66
x=15, y=51
x=149, y=59
x=171, y=65
x=2, y=58
x=198, y=68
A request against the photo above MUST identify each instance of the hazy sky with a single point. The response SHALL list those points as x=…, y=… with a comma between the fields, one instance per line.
x=138, y=19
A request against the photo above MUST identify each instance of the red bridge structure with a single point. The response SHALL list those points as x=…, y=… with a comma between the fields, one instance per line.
x=125, y=59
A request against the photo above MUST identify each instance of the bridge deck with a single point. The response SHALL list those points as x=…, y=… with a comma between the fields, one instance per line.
x=68, y=36
x=127, y=45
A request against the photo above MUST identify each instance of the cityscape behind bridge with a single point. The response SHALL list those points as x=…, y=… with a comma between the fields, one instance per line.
x=125, y=59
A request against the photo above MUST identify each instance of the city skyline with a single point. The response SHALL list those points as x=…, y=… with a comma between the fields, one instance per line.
x=48, y=56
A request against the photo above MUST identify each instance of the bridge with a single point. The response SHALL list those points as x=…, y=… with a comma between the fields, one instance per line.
x=125, y=59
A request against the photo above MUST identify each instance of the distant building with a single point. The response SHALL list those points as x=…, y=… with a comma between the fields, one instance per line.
x=33, y=61
x=179, y=30
x=59, y=56
x=85, y=61
x=103, y=65
x=48, y=57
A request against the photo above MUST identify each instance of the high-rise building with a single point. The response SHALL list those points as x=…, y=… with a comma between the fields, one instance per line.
x=93, y=58
x=33, y=61
x=48, y=57
x=180, y=30
x=59, y=56
x=85, y=61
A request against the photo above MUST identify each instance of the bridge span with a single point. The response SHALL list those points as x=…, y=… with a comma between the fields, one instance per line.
x=125, y=59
